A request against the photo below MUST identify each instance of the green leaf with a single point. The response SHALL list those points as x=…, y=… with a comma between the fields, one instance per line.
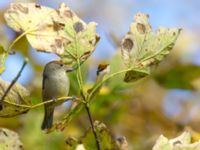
x=9, y=140
x=15, y=102
x=3, y=55
x=83, y=39
x=107, y=141
x=183, y=142
x=178, y=76
x=135, y=74
x=141, y=48
x=116, y=64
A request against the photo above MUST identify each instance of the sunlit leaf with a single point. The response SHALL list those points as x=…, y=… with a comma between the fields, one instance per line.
x=183, y=142
x=83, y=40
x=15, y=102
x=9, y=140
x=23, y=46
x=142, y=48
x=178, y=76
x=2, y=59
x=58, y=31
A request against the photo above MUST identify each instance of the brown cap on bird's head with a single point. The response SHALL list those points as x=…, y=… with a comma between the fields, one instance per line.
x=61, y=64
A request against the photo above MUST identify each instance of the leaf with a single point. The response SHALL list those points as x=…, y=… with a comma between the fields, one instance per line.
x=183, y=142
x=107, y=141
x=83, y=40
x=23, y=46
x=170, y=77
x=15, y=102
x=58, y=31
x=2, y=59
x=9, y=140
x=141, y=48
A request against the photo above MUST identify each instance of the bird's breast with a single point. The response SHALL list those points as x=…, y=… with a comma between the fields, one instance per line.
x=56, y=86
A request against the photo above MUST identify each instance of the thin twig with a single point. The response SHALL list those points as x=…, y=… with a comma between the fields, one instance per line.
x=91, y=122
x=46, y=102
x=12, y=83
x=92, y=125
x=64, y=99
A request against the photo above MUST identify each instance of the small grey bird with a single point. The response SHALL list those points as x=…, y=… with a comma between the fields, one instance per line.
x=55, y=84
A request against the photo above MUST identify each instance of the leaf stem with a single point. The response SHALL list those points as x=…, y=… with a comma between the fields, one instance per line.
x=105, y=79
x=80, y=81
x=12, y=83
x=16, y=40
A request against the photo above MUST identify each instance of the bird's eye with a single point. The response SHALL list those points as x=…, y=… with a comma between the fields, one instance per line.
x=61, y=65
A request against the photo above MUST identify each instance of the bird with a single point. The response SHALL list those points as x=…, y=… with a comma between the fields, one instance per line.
x=55, y=84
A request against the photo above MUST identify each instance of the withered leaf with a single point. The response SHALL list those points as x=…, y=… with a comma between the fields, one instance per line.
x=141, y=48
x=15, y=102
x=58, y=31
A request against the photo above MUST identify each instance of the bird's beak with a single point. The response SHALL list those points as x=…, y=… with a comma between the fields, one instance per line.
x=69, y=69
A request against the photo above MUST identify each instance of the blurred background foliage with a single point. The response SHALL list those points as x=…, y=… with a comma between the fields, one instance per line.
x=164, y=103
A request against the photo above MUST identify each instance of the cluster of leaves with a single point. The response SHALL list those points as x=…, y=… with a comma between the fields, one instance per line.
x=62, y=32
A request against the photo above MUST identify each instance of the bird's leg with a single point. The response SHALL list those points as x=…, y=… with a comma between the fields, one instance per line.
x=74, y=98
x=54, y=99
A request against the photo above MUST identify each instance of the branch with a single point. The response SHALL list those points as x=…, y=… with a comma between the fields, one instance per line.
x=12, y=83
x=80, y=81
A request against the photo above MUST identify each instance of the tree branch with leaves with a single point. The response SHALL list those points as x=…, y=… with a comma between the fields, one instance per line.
x=62, y=32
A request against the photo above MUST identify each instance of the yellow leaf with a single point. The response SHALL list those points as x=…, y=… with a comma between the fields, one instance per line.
x=58, y=31
x=15, y=102
x=2, y=59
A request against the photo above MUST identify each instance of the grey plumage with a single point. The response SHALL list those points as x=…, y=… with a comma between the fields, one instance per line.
x=55, y=84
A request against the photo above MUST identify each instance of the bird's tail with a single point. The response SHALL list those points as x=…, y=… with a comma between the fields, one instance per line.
x=48, y=118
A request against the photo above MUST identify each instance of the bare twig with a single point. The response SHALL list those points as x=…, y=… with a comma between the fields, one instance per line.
x=91, y=122
x=92, y=125
x=12, y=83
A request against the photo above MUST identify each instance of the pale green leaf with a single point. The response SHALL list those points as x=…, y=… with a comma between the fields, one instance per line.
x=15, y=102
x=141, y=47
x=2, y=59
x=83, y=40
